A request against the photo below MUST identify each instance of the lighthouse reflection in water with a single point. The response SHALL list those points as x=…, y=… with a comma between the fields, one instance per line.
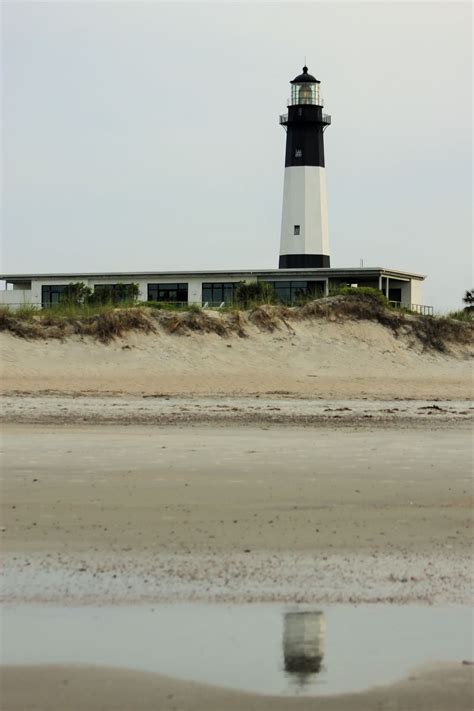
x=303, y=645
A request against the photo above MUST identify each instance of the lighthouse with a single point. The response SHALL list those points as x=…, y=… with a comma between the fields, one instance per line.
x=304, y=239
x=303, y=643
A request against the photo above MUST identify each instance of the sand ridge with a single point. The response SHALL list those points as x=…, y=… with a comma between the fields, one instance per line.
x=320, y=358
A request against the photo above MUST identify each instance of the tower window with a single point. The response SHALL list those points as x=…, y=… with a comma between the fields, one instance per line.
x=298, y=153
x=296, y=230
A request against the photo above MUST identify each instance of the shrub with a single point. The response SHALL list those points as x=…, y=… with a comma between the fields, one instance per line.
x=255, y=292
x=115, y=293
x=162, y=305
x=76, y=293
x=466, y=314
x=363, y=291
x=27, y=312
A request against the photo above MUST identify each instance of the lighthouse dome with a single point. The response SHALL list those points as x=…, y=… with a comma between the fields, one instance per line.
x=305, y=78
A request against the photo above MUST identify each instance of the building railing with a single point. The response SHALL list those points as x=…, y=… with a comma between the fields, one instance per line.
x=416, y=308
x=63, y=305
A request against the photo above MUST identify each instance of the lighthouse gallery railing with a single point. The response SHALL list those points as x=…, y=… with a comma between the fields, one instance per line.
x=284, y=119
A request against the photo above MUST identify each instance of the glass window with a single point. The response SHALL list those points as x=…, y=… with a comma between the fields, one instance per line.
x=206, y=293
x=115, y=293
x=218, y=292
x=51, y=295
x=290, y=292
x=173, y=292
x=283, y=293
x=306, y=93
x=299, y=290
x=395, y=295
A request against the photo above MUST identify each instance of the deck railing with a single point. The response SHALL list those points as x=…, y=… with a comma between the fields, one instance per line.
x=416, y=308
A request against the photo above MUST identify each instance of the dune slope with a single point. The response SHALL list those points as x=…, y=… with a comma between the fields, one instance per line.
x=314, y=358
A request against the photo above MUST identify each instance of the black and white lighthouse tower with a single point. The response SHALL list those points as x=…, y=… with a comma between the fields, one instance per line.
x=304, y=225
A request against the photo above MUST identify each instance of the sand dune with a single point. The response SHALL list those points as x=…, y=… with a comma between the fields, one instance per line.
x=319, y=358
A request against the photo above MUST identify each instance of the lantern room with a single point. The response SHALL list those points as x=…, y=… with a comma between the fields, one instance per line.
x=305, y=89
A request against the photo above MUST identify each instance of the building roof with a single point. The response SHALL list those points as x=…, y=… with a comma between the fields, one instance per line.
x=305, y=78
x=314, y=273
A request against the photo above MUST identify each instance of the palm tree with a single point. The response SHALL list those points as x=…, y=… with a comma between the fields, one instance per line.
x=469, y=300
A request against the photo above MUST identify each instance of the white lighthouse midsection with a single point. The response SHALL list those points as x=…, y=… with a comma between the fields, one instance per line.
x=304, y=225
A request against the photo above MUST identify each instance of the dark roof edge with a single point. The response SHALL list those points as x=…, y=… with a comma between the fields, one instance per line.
x=331, y=271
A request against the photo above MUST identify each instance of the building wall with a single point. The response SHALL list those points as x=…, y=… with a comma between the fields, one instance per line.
x=415, y=292
x=194, y=291
x=15, y=297
x=411, y=291
x=406, y=288
x=36, y=289
x=335, y=283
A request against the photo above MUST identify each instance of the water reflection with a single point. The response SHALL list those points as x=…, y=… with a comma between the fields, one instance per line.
x=303, y=644
x=261, y=648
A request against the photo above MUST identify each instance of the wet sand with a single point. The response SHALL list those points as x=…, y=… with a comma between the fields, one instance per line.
x=249, y=510
x=442, y=688
x=237, y=513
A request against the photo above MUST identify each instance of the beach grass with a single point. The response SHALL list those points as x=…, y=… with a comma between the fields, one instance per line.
x=105, y=322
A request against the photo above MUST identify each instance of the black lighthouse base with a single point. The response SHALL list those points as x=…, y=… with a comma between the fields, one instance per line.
x=304, y=261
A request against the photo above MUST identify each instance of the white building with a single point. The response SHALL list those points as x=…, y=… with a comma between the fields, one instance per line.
x=216, y=287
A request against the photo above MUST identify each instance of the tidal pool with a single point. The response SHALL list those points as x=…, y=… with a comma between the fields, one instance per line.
x=263, y=648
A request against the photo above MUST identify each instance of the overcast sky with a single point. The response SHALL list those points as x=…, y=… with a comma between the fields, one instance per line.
x=145, y=136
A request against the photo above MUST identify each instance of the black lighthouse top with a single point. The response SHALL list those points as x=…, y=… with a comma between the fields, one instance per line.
x=305, y=89
x=305, y=122
x=305, y=78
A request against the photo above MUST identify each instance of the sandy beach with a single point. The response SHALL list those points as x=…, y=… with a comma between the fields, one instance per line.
x=111, y=514
x=142, y=472
x=443, y=688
